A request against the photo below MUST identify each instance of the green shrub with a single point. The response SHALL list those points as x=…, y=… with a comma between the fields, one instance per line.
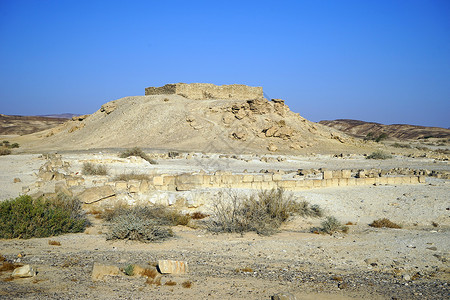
x=129, y=270
x=91, y=169
x=15, y=145
x=137, y=152
x=262, y=213
x=379, y=155
x=24, y=217
x=331, y=225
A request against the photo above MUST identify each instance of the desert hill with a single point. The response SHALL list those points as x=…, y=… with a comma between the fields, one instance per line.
x=172, y=121
x=362, y=129
x=20, y=125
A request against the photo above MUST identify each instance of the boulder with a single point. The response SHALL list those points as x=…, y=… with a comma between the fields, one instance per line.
x=172, y=267
x=95, y=194
x=24, y=271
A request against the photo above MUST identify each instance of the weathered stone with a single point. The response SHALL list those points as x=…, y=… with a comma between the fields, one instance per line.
x=327, y=174
x=121, y=186
x=172, y=267
x=17, y=180
x=95, y=194
x=23, y=272
x=284, y=296
x=272, y=147
x=99, y=271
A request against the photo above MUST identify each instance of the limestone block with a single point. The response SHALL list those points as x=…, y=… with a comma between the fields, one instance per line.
x=327, y=174
x=308, y=183
x=267, y=177
x=243, y=185
x=422, y=179
x=257, y=178
x=144, y=186
x=346, y=173
x=317, y=182
x=351, y=181
x=168, y=180
x=257, y=185
x=405, y=180
x=247, y=178
x=277, y=177
x=133, y=186
x=172, y=267
x=184, y=187
x=99, y=271
x=158, y=180
x=361, y=174
x=23, y=272
x=343, y=182
x=47, y=176
x=95, y=194
x=58, y=176
x=121, y=186
x=189, y=179
x=382, y=180
x=270, y=185
x=337, y=174
x=71, y=182
x=414, y=179
x=360, y=181
x=370, y=181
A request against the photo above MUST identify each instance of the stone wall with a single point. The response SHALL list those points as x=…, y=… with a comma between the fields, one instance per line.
x=204, y=91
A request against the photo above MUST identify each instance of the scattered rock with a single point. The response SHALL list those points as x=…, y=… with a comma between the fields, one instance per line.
x=172, y=267
x=24, y=271
x=17, y=180
x=272, y=147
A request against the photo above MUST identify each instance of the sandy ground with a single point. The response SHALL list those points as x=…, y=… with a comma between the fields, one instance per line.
x=366, y=263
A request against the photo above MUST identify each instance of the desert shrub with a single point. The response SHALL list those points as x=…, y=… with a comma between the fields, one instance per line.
x=186, y=284
x=5, y=143
x=379, y=155
x=330, y=226
x=381, y=137
x=24, y=217
x=380, y=223
x=133, y=227
x=4, y=151
x=91, y=169
x=129, y=270
x=15, y=145
x=137, y=152
x=198, y=215
x=131, y=176
x=398, y=145
x=262, y=213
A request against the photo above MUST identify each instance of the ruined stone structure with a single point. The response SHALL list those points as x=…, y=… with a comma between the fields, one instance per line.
x=204, y=91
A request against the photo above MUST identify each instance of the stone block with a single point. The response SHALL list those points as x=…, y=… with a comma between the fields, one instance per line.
x=71, y=182
x=346, y=173
x=317, y=183
x=47, y=176
x=337, y=174
x=189, y=179
x=361, y=174
x=360, y=181
x=144, y=186
x=370, y=181
x=406, y=180
x=184, y=187
x=277, y=177
x=257, y=185
x=121, y=186
x=23, y=272
x=269, y=185
x=58, y=176
x=287, y=184
x=257, y=178
x=327, y=174
x=172, y=267
x=422, y=179
x=133, y=186
x=168, y=180
x=308, y=183
x=95, y=194
x=351, y=181
x=343, y=182
x=414, y=179
x=382, y=180
x=158, y=180
x=247, y=178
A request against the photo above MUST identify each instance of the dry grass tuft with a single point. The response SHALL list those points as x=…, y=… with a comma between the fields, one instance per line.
x=7, y=266
x=137, y=152
x=91, y=169
x=54, y=243
x=384, y=223
x=186, y=284
x=246, y=270
x=170, y=283
x=198, y=215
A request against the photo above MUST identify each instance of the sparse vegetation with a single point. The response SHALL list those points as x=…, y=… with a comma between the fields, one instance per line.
x=386, y=223
x=143, y=223
x=398, y=145
x=170, y=283
x=262, y=213
x=186, y=284
x=129, y=270
x=24, y=217
x=131, y=176
x=54, y=243
x=137, y=152
x=91, y=169
x=379, y=155
x=4, y=151
x=198, y=215
x=331, y=225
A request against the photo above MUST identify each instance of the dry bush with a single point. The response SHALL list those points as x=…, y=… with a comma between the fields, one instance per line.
x=386, y=223
x=4, y=151
x=158, y=214
x=91, y=169
x=54, y=243
x=379, y=155
x=186, y=284
x=131, y=176
x=331, y=225
x=137, y=152
x=262, y=213
x=7, y=266
x=170, y=283
x=198, y=215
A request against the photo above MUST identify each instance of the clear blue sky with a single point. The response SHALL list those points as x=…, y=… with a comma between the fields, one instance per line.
x=382, y=61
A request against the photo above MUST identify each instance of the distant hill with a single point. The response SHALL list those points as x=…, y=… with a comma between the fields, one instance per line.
x=20, y=125
x=363, y=129
x=60, y=116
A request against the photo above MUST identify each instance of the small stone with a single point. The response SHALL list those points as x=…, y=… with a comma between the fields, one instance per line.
x=172, y=267
x=24, y=271
x=406, y=277
x=432, y=248
x=272, y=148
x=284, y=296
x=17, y=180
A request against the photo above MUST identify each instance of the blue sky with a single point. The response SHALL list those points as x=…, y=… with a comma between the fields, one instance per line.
x=382, y=61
